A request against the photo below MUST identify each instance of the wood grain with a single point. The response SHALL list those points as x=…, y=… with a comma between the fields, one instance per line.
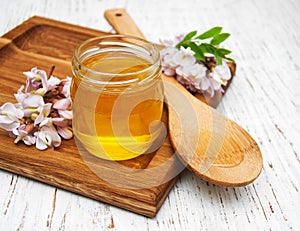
x=43, y=42
x=263, y=98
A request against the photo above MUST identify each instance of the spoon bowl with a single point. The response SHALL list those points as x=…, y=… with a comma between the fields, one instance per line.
x=212, y=146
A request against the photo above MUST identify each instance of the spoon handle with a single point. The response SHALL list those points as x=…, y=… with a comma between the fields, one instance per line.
x=120, y=20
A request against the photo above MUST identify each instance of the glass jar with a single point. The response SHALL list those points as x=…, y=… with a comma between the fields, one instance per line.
x=117, y=96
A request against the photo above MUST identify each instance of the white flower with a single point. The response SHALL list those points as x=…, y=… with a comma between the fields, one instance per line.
x=20, y=95
x=217, y=78
x=38, y=81
x=167, y=42
x=65, y=120
x=33, y=121
x=10, y=116
x=168, y=66
x=62, y=103
x=24, y=133
x=62, y=107
x=205, y=84
x=222, y=73
x=47, y=136
x=31, y=104
x=167, y=51
x=65, y=132
x=199, y=75
x=185, y=56
x=35, y=79
x=172, y=59
x=44, y=111
x=172, y=42
x=51, y=82
x=66, y=86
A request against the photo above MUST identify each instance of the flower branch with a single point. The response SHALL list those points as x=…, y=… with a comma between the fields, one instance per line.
x=197, y=61
x=43, y=112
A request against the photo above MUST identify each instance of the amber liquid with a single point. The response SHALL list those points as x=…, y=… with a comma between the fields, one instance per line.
x=117, y=121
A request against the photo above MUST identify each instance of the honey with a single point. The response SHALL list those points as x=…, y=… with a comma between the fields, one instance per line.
x=118, y=98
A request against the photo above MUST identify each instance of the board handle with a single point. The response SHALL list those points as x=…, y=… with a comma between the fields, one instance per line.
x=4, y=42
x=121, y=21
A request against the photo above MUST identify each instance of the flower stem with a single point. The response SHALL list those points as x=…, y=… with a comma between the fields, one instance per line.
x=51, y=71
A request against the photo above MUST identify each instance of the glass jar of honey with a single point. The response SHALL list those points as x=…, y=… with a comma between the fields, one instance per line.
x=117, y=96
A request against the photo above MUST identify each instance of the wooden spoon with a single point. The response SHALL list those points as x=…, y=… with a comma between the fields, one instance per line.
x=213, y=147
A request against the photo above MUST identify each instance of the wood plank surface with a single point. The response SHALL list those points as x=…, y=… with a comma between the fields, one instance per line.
x=263, y=98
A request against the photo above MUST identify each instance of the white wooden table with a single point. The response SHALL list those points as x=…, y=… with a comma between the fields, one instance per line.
x=263, y=98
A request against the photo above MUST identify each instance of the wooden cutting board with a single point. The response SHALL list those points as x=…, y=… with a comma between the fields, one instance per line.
x=139, y=185
x=42, y=42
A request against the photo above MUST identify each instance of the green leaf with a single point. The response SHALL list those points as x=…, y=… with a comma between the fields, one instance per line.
x=194, y=47
x=186, y=39
x=219, y=59
x=211, y=49
x=198, y=52
x=203, y=48
x=219, y=38
x=210, y=33
x=181, y=44
x=223, y=51
x=200, y=57
x=189, y=35
x=229, y=59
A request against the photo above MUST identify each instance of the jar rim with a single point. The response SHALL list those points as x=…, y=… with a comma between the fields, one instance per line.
x=156, y=56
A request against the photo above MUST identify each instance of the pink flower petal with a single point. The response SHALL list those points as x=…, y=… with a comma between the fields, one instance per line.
x=65, y=132
x=169, y=72
x=41, y=142
x=61, y=122
x=47, y=137
x=11, y=111
x=35, y=78
x=29, y=140
x=223, y=71
x=9, y=126
x=29, y=111
x=46, y=122
x=9, y=117
x=33, y=101
x=66, y=114
x=44, y=112
x=43, y=76
x=52, y=81
x=215, y=84
x=204, y=84
x=62, y=103
x=67, y=86
x=55, y=138
x=20, y=95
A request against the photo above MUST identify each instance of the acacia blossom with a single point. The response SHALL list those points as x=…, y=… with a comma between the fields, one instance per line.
x=66, y=86
x=43, y=113
x=47, y=136
x=171, y=42
x=23, y=133
x=10, y=116
x=37, y=81
x=192, y=73
x=64, y=120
